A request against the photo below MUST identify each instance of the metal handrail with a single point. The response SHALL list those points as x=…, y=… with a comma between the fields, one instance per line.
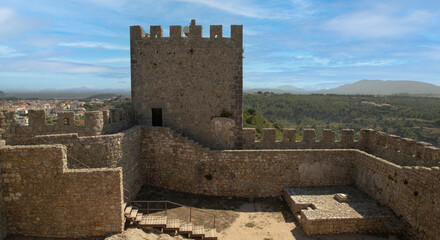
x=166, y=202
x=126, y=197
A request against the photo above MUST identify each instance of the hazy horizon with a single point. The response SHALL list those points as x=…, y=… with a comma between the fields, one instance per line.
x=307, y=44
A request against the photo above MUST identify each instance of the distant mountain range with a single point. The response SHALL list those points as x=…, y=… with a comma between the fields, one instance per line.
x=379, y=87
x=366, y=87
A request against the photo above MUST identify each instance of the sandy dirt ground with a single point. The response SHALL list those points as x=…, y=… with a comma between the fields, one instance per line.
x=254, y=224
x=138, y=234
x=236, y=219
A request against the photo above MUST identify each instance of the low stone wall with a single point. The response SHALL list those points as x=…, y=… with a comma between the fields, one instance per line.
x=45, y=199
x=132, y=167
x=402, y=151
x=309, y=140
x=96, y=123
x=116, y=120
x=3, y=222
x=411, y=192
x=104, y=151
x=177, y=163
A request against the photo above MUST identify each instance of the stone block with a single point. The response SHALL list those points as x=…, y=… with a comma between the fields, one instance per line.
x=328, y=136
x=249, y=135
x=309, y=135
x=156, y=31
x=195, y=31
x=269, y=135
x=176, y=32
x=289, y=135
x=347, y=137
x=216, y=31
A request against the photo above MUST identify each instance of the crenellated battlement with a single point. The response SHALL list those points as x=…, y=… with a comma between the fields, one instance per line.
x=403, y=151
x=288, y=141
x=95, y=123
x=194, y=32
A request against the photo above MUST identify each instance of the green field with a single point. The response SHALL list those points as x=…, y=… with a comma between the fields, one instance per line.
x=413, y=117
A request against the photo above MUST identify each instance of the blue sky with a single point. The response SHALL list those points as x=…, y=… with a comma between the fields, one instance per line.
x=307, y=44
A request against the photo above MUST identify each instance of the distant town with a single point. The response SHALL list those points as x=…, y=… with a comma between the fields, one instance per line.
x=54, y=106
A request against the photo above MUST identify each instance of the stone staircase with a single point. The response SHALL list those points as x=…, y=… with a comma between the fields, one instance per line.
x=172, y=226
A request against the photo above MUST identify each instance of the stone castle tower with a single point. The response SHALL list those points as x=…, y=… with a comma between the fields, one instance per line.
x=189, y=83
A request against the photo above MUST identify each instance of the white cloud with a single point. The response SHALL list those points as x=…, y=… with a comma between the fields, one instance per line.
x=113, y=4
x=376, y=24
x=376, y=63
x=113, y=60
x=57, y=67
x=11, y=23
x=94, y=45
x=6, y=51
x=301, y=3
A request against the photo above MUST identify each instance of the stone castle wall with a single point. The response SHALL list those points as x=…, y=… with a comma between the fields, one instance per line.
x=104, y=151
x=45, y=199
x=411, y=192
x=175, y=162
x=308, y=141
x=3, y=222
x=192, y=79
x=178, y=163
x=96, y=123
x=402, y=151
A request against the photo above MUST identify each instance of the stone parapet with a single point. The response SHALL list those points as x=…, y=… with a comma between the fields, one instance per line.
x=308, y=141
x=96, y=123
x=43, y=198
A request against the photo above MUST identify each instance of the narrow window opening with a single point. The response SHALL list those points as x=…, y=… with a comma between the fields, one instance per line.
x=156, y=117
x=66, y=121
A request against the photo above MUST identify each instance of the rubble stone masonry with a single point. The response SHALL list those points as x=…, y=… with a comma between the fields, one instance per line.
x=413, y=193
x=191, y=79
x=96, y=123
x=3, y=223
x=180, y=164
x=104, y=151
x=45, y=199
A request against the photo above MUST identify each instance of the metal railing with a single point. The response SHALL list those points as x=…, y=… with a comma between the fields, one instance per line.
x=166, y=204
x=126, y=197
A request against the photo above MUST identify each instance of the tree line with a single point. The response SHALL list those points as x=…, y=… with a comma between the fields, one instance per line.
x=413, y=117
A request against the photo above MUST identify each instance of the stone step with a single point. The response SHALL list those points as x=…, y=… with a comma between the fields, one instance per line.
x=211, y=234
x=173, y=224
x=128, y=211
x=186, y=228
x=139, y=217
x=133, y=213
x=198, y=232
x=154, y=221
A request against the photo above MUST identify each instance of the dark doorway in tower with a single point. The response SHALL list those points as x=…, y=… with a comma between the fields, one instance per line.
x=157, y=116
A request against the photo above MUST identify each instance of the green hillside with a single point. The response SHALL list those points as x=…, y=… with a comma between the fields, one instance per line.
x=412, y=117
